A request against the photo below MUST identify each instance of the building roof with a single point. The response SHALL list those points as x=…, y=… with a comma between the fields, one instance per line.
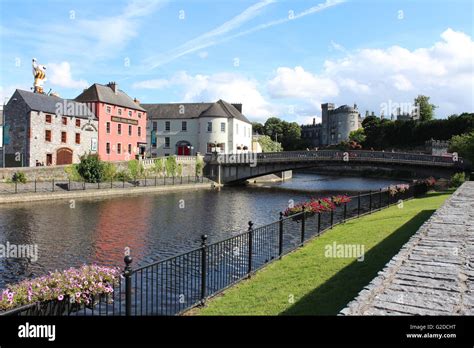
x=106, y=94
x=49, y=104
x=220, y=108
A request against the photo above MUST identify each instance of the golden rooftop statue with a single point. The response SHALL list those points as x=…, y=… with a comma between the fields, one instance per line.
x=40, y=76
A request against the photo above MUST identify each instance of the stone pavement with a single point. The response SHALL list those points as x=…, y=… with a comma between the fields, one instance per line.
x=433, y=274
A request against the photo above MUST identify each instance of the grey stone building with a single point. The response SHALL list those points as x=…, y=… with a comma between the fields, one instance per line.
x=45, y=129
x=336, y=125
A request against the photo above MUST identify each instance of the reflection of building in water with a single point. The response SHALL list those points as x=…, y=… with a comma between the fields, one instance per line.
x=113, y=234
x=336, y=125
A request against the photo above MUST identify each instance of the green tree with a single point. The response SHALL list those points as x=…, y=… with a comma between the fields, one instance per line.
x=274, y=128
x=426, y=109
x=199, y=166
x=464, y=145
x=171, y=166
x=268, y=145
x=258, y=128
x=91, y=168
x=358, y=136
x=135, y=168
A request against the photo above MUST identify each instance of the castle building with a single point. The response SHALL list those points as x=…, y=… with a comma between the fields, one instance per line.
x=336, y=125
x=47, y=130
x=189, y=128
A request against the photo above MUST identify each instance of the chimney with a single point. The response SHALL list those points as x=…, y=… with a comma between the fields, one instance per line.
x=314, y=121
x=114, y=86
x=238, y=107
x=136, y=101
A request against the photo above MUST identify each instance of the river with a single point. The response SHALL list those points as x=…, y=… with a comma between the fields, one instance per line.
x=154, y=226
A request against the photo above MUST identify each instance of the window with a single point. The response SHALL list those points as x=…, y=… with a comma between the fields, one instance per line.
x=139, y=115
x=209, y=126
x=119, y=129
x=129, y=130
x=47, y=135
x=167, y=126
x=155, y=126
x=63, y=137
x=78, y=138
x=48, y=119
x=184, y=126
x=139, y=131
x=108, y=127
x=130, y=148
x=119, y=148
x=78, y=123
x=223, y=127
x=64, y=121
x=119, y=112
x=129, y=113
x=167, y=142
x=108, y=109
x=107, y=148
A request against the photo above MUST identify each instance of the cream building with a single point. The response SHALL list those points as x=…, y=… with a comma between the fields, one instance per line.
x=189, y=128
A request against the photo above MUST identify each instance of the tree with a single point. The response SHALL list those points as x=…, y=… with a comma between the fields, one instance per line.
x=91, y=168
x=268, y=145
x=258, y=128
x=274, y=128
x=426, y=109
x=464, y=145
x=357, y=136
x=291, y=136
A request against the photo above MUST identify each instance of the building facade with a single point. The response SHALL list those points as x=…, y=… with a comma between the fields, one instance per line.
x=47, y=130
x=190, y=128
x=335, y=127
x=122, y=122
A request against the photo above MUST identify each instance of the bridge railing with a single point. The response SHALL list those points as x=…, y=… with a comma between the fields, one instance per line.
x=336, y=155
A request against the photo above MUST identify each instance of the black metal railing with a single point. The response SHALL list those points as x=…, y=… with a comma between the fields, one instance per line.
x=338, y=155
x=176, y=284
x=57, y=185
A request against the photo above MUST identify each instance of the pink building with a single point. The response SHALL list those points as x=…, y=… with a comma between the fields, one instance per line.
x=122, y=122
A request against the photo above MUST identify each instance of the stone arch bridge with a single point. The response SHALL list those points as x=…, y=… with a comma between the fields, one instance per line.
x=237, y=168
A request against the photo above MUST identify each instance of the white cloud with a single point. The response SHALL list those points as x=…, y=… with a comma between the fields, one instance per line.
x=444, y=71
x=59, y=74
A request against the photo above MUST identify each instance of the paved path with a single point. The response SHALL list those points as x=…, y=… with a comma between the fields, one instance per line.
x=433, y=274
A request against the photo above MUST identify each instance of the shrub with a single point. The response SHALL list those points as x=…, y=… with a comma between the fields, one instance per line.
x=91, y=168
x=179, y=170
x=122, y=176
x=199, y=166
x=109, y=171
x=74, y=285
x=423, y=186
x=159, y=166
x=171, y=166
x=19, y=177
x=135, y=168
x=72, y=173
x=457, y=179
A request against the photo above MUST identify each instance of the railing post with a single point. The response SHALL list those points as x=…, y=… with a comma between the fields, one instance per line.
x=145, y=180
x=319, y=223
x=203, y=267
x=303, y=226
x=280, y=236
x=173, y=179
x=84, y=184
x=155, y=180
x=98, y=184
x=16, y=187
x=388, y=197
x=35, y=185
x=111, y=182
x=250, y=232
x=69, y=185
x=370, y=201
x=127, y=273
x=380, y=199
x=345, y=211
x=358, y=205
x=123, y=181
x=52, y=181
x=332, y=216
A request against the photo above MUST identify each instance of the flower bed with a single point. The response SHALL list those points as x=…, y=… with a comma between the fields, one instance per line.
x=394, y=189
x=314, y=206
x=77, y=286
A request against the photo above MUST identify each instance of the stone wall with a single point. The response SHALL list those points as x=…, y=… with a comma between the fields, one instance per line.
x=57, y=172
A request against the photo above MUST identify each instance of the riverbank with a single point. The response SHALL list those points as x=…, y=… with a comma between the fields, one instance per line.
x=311, y=282
x=47, y=196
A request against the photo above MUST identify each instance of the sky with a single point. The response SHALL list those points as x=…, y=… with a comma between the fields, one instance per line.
x=277, y=58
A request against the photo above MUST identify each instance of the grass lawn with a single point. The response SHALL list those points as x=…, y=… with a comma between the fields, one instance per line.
x=306, y=282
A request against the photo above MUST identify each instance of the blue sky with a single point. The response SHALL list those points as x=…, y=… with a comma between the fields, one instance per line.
x=280, y=58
